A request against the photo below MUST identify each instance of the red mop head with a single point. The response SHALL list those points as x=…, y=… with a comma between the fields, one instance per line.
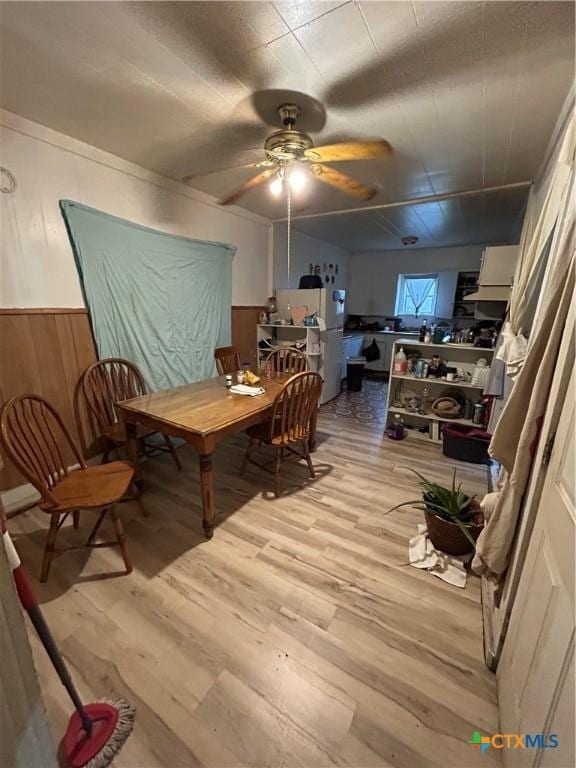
x=112, y=723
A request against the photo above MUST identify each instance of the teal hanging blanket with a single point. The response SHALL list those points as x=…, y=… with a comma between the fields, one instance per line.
x=160, y=300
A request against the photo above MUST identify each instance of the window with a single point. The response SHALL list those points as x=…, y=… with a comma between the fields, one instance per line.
x=416, y=294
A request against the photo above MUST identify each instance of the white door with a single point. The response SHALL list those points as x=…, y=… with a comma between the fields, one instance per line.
x=384, y=353
x=536, y=670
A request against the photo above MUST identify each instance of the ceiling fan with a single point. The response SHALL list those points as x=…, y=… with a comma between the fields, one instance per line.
x=289, y=152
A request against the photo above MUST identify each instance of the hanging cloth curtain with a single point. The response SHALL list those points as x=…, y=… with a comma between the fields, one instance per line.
x=419, y=289
x=516, y=436
x=161, y=301
x=535, y=236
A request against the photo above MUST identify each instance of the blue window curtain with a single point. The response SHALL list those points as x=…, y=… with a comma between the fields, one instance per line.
x=160, y=300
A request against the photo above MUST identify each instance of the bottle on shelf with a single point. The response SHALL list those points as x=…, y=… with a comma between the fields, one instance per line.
x=478, y=416
x=396, y=430
x=434, y=367
x=400, y=363
x=423, y=330
x=425, y=400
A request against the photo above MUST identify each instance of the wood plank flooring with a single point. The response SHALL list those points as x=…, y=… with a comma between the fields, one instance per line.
x=298, y=636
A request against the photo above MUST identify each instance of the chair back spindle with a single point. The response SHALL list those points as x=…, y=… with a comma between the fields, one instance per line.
x=227, y=360
x=107, y=382
x=287, y=361
x=35, y=439
x=295, y=406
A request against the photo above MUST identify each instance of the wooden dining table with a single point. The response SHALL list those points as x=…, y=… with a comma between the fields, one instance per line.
x=202, y=414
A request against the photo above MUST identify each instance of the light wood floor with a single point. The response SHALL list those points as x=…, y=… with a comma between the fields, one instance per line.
x=298, y=636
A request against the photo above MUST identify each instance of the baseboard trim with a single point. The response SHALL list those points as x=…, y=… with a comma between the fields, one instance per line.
x=19, y=499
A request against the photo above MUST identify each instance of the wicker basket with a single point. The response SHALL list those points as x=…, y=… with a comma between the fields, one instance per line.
x=446, y=407
x=448, y=537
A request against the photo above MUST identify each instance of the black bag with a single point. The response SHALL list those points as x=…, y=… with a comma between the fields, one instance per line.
x=371, y=352
x=311, y=281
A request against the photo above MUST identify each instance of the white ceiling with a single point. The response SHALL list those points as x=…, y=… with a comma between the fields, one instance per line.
x=484, y=219
x=467, y=93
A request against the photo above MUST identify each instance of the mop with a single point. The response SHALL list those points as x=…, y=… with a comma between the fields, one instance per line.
x=96, y=732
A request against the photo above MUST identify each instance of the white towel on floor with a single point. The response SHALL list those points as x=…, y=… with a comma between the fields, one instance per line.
x=244, y=389
x=423, y=555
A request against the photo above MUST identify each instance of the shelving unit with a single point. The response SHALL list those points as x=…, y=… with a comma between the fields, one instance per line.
x=442, y=382
x=430, y=416
x=463, y=356
x=466, y=284
x=304, y=338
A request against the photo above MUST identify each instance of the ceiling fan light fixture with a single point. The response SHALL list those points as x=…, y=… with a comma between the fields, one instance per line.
x=298, y=179
x=290, y=156
x=276, y=186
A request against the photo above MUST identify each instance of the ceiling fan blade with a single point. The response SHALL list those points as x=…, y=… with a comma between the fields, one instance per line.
x=261, y=164
x=349, y=150
x=249, y=185
x=342, y=182
x=433, y=54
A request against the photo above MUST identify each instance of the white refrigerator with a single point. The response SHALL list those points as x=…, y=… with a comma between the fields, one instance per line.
x=329, y=305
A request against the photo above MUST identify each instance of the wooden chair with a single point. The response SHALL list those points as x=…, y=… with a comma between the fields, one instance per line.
x=110, y=381
x=37, y=441
x=227, y=360
x=287, y=361
x=292, y=421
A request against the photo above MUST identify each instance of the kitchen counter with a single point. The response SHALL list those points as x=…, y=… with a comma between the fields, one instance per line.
x=348, y=334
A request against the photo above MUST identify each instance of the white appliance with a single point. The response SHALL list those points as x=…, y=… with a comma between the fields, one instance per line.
x=329, y=306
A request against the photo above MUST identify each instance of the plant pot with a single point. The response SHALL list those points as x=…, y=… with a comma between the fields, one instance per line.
x=448, y=537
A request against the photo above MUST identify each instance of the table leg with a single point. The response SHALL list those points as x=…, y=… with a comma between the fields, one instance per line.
x=133, y=449
x=207, y=486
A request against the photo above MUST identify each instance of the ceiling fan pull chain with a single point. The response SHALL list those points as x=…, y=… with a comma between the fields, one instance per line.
x=289, y=198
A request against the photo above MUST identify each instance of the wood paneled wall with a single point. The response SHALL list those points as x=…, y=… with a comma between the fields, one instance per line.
x=244, y=322
x=45, y=351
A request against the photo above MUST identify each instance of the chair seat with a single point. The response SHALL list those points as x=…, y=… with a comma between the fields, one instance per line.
x=99, y=485
x=261, y=432
x=117, y=432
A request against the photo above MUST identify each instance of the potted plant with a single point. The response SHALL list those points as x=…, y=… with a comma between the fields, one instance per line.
x=453, y=518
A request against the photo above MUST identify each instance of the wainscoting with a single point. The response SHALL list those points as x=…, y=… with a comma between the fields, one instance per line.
x=244, y=322
x=45, y=351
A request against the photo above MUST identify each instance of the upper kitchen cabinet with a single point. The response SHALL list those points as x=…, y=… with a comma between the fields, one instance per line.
x=498, y=265
x=447, y=280
x=496, y=274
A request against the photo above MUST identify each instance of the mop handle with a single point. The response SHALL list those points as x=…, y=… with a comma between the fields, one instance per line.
x=30, y=604
x=45, y=635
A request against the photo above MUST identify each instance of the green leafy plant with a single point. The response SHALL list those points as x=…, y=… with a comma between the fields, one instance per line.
x=451, y=504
